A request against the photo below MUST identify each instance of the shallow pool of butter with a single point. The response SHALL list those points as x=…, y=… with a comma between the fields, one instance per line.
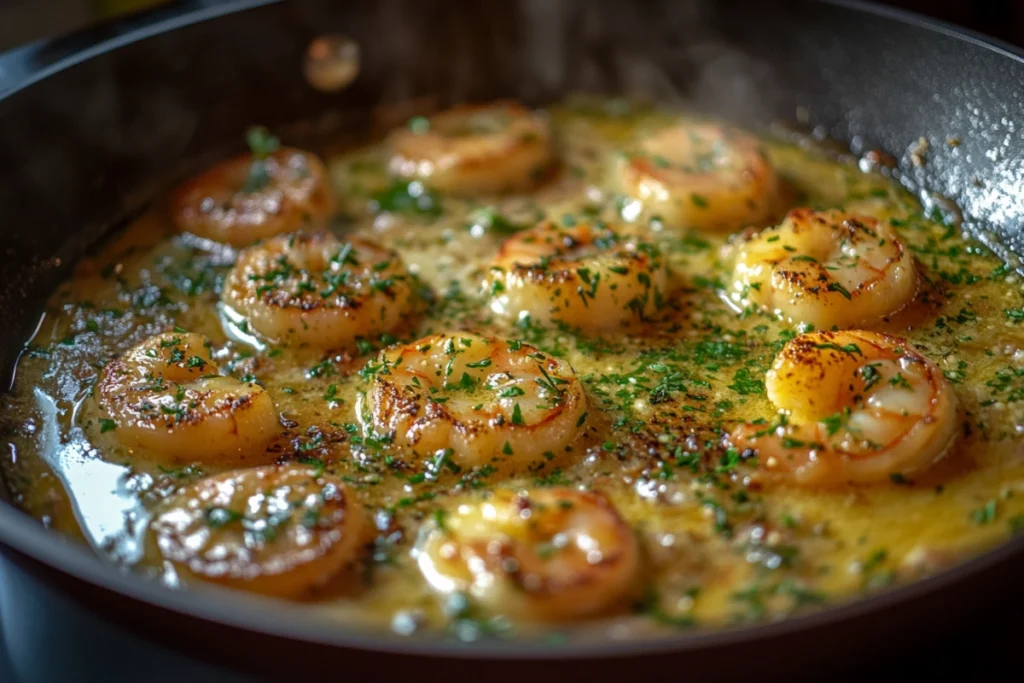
x=717, y=551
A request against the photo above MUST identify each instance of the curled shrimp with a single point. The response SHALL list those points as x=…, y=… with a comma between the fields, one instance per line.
x=166, y=396
x=828, y=269
x=487, y=401
x=858, y=407
x=315, y=290
x=279, y=531
x=701, y=175
x=545, y=554
x=253, y=197
x=475, y=149
x=584, y=275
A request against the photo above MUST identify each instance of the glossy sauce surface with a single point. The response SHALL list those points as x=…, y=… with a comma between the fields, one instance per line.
x=717, y=546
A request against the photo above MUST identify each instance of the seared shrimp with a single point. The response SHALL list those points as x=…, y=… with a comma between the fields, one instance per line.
x=857, y=407
x=279, y=531
x=166, y=396
x=825, y=269
x=584, y=275
x=254, y=196
x=475, y=149
x=546, y=554
x=316, y=290
x=702, y=176
x=490, y=401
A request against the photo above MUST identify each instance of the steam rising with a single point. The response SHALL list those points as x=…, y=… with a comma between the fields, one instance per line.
x=670, y=52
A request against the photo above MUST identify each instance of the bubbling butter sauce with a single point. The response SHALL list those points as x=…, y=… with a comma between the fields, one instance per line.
x=715, y=543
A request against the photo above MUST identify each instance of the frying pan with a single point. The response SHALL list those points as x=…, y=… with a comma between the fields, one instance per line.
x=95, y=124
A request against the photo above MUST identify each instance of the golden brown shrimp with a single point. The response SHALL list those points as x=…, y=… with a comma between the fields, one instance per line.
x=279, y=531
x=252, y=197
x=475, y=149
x=585, y=275
x=491, y=402
x=701, y=176
x=315, y=290
x=166, y=396
x=857, y=407
x=827, y=269
x=544, y=554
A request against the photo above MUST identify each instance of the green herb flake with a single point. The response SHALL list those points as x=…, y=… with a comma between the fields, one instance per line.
x=217, y=517
x=261, y=143
x=745, y=383
x=419, y=125
x=1014, y=314
x=985, y=514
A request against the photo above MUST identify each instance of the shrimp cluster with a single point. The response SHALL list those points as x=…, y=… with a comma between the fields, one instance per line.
x=464, y=443
x=473, y=150
x=701, y=176
x=545, y=554
x=166, y=396
x=583, y=275
x=315, y=290
x=255, y=196
x=279, y=531
x=827, y=269
x=857, y=407
x=485, y=401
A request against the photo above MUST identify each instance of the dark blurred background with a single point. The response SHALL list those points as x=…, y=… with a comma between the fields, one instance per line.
x=22, y=21
x=1003, y=19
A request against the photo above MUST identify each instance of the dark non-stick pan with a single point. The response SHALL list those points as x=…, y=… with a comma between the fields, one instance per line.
x=92, y=126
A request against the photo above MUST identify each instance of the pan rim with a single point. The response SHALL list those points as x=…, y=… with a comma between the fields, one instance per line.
x=124, y=31
x=25, y=537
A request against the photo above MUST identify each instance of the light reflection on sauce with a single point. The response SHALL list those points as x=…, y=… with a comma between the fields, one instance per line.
x=235, y=327
x=109, y=513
